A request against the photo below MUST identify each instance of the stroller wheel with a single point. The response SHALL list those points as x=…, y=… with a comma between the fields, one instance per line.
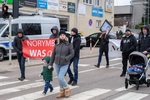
x=148, y=82
x=137, y=84
x=126, y=83
x=130, y=82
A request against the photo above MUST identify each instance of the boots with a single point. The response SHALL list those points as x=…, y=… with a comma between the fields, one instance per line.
x=67, y=92
x=61, y=94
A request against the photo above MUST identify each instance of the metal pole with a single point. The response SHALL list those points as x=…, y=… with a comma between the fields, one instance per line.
x=10, y=42
x=76, y=12
x=148, y=13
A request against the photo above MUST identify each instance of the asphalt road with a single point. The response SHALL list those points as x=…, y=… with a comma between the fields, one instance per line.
x=94, y=84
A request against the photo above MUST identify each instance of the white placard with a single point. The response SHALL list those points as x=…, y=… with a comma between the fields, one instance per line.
x=114, y=48
x=82, y=9
x=53, y=4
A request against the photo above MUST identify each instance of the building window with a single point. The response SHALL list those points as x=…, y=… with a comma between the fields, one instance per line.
x=90, y=2
x=98, y=23
x=98, y=3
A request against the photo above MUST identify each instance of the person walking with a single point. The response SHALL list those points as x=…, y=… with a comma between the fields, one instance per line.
x=103, y=41
x=76, y=41
x=55, y=32
x=128, y=44
x=62, y=54
x=144, y=41
x=18, y=48
x=47, y=74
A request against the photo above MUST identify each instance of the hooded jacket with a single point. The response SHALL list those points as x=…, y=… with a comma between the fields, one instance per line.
x=62, y=53
x=18, y=41
x=57, y=32
x=47, y=73
x=128, y=44
x=76, y=43
x=144, y=41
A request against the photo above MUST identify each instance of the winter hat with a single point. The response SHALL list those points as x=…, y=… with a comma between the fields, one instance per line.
x=75, y=30
x=128, y=30
x=20, y=31
x=62, y=32
x=46, y=59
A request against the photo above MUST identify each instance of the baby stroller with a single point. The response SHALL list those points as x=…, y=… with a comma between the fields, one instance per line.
x=136, y=73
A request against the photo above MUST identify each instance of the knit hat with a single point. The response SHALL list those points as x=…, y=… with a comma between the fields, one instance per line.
x=46, y=59
x=75, y=30
x=20, y=31
x=62, y=32
x=128, y=30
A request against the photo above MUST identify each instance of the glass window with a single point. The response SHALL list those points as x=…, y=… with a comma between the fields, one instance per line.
x=2, y=27
x=31, y=28
x=94, y=35
x=98, y=23
x=98, y=3
x=88, y=1
x=13, y=31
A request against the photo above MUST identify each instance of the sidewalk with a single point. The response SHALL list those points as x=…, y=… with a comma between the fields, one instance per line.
x=84, y=53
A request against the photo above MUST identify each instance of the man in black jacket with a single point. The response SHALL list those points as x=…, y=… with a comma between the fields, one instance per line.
x=55, y=32
x=128, y=44
x=18, y=47
x=103, y=41
x=76, y=40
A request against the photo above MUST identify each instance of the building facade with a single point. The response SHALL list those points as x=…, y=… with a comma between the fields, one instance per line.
x=88, y=18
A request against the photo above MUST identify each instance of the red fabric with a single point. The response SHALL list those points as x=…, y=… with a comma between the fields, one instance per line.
x=38, y=48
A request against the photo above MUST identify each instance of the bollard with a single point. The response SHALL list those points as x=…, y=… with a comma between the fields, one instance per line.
x=90, y=45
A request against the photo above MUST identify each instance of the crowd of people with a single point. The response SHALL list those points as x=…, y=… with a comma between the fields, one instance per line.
x=67, y=51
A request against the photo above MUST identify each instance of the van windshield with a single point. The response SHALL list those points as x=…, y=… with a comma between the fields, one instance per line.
x=2, y=27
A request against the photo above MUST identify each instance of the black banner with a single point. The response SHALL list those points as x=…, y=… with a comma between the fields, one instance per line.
x=30, y=3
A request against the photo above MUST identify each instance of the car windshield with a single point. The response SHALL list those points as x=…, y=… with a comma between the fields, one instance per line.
x=2, y=26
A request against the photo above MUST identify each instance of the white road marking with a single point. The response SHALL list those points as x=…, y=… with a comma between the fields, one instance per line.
x=37, y=95
x=115, y=59
x=10, y=83
x=22, y=87
x=123, y=88
x=83, y=65
x=88, y=94
x=131, y=96
x=3, y=77
x=115, y=64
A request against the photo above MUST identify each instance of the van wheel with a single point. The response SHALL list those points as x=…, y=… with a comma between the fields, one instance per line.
x=1, y=54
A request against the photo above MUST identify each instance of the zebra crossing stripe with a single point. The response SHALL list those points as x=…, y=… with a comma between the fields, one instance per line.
x=115, y=59
x=20, y=88
x=131, y=96
x=88, y=94
x=38, y=95
x=123, y=88
x=3, y=77
x=10, y=83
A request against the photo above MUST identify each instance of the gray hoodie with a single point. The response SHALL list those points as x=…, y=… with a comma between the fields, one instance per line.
x=54, y=35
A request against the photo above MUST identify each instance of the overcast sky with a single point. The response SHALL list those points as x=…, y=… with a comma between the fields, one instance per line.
x=122, y=2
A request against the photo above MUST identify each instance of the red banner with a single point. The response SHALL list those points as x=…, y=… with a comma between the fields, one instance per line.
x=38, y=48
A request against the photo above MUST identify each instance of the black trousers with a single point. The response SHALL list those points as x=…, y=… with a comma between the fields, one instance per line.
x=125, y=57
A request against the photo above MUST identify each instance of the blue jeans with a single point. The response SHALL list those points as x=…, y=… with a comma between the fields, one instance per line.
x=61, y=71
x=74, y=77
x=100, y=57
x=47, y=85
x=21, y=61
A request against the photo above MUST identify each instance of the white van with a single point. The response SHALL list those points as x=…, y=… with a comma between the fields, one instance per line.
x=34, y=27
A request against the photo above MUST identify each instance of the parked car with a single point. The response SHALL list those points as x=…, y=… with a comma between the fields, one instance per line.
x=95, y=37
x=83, y=40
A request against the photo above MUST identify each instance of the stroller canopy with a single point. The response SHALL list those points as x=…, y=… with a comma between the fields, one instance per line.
x=137, y=58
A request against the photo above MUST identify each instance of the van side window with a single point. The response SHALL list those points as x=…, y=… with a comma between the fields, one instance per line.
x=31, y=28
x=13, y=31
